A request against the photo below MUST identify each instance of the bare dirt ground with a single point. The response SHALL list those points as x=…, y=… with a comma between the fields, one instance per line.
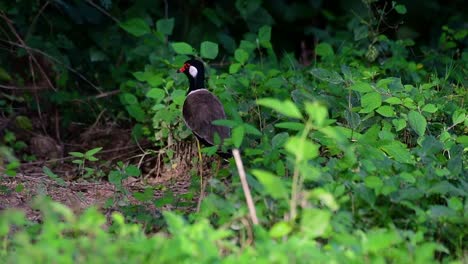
x=79, y=194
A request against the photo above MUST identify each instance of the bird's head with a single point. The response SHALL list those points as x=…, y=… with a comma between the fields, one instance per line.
x=194, y=69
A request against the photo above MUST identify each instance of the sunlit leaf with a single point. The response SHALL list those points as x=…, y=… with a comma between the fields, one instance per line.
x=287, y=107
x=370, y=102
x=273, y=184
x=238, y=136
x=324, y=50
x=280, y=229
x=303, y=149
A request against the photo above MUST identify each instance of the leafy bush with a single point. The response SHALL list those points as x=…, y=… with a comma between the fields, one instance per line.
x=359, y=157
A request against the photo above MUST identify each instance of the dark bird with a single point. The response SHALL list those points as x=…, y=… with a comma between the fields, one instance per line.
x=201, y=107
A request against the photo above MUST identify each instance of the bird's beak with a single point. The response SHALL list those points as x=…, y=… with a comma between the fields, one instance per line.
x=181, y=69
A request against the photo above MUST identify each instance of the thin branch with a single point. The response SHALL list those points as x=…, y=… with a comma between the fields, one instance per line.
x=21, y=41
x=55, y=60
x=9, y=87
x=245, y=186
x=103, y=11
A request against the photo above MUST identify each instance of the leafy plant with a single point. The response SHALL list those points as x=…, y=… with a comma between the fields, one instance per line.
x=84, y=170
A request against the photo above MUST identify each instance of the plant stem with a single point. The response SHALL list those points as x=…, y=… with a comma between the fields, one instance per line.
x=245, y=186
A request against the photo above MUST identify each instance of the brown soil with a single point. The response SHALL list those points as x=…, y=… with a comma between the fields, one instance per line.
x=79, y=193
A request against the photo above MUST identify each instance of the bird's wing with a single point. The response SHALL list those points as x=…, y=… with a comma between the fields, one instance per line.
x=200, y=109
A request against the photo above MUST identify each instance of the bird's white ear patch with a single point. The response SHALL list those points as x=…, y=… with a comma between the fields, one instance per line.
x=193, y=71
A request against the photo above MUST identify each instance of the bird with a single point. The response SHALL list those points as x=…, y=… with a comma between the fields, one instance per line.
x=201, y=107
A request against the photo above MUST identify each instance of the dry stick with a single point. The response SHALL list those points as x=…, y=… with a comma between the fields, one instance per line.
x=245, y=186
x=55, y=60
x=21, y=41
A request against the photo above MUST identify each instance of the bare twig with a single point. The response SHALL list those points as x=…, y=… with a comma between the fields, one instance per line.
x=103, y=11
x=55, y=60
x=245, y=186
x=33, y=58
x=9, y=87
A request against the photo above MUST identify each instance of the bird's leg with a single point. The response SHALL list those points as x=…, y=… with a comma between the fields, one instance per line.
x=200, y=168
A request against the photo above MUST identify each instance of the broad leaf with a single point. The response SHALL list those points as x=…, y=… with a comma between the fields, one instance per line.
x=209, y=49
x=165, y=26
x=370, y=101
x=273, y=184
x=303, y=149
x=287, y=107
x=136, y=26
x=182, y=48
x=417, y=122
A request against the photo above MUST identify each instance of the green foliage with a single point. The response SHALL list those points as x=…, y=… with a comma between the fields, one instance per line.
x=84, y=170
x=360, y=157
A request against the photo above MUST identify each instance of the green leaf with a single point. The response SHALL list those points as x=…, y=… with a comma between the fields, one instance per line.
x=234, y=68
x=393, y=100
x=4, y=76
x=302, y=149
x=379, y=240
x=136, y=112
x=128, y=99
x=386, y=111
x=361, y=32
x=251, y=130
x=458, y=116
x=317, y=112
x=24, y=122
x=398, y=151
x=93, y=151
x=287, y=107
x=273, y=184
x=209, y=49
x=361, y=87
x=429, y=108
x=455, y=203
x=182, y=48
x=132, y=171
x=324, y=50
x=156, y=93
x=264, y=36
x=353, y=119
x=417, y=122
x=144, y=196
x=370, y=101
x=327, y=76
x=178, y=96
x=241, y=56
x=53, y=176
x=280, y=229
x=463, y=140
x=76, y=154
x=238, y=136
x=315, y=222
x=136, y=26
x=165, y=26
x=399, y=124
x=373, y=182
x=115, y=177
x=400, y=9
x=295, y=126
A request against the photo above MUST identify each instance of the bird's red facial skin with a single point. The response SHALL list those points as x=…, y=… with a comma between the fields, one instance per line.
x=185, y=67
